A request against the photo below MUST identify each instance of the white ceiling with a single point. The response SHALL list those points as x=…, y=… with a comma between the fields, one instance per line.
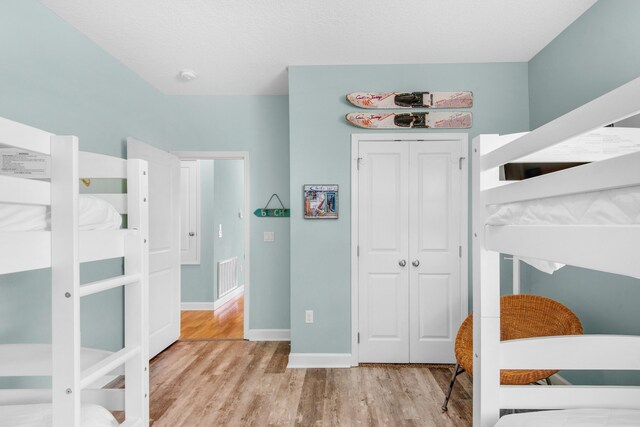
x=242, y=47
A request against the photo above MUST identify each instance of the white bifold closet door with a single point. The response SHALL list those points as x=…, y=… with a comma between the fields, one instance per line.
x=164, y=243
x=409, y=250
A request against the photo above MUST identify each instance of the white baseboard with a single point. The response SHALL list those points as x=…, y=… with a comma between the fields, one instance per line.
x=192, y=306
x=319, y=360
x=269, y=335
x=228, y=297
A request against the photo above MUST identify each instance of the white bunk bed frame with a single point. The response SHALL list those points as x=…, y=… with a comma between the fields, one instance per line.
x=63, y=249
x=608, y=248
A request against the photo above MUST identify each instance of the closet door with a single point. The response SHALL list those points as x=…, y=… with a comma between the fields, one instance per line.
x=383, y=230
x=434, y=248
x=164, y=243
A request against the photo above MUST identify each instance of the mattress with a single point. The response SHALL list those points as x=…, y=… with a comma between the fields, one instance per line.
x=94, y=214
x=39, y=415
x=573, y=418
x=620, y=206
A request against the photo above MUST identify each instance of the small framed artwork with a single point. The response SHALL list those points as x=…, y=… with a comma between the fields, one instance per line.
x=320, y=201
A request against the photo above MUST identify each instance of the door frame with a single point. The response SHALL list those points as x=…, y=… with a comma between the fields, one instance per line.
x=244, y=156
x=356, y=138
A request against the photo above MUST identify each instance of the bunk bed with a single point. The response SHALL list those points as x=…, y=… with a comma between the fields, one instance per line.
x=606, y=243
x=46, y=223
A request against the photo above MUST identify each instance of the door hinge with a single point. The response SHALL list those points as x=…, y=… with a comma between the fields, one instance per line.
x=359, y=159
x=358, y=337
x=460, y=162
x=358, y=250
x=460, y=251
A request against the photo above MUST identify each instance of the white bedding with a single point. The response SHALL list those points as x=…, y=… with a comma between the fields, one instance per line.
x=39, y=415
x=95, y=214
x=573, y=418
x=620, y=206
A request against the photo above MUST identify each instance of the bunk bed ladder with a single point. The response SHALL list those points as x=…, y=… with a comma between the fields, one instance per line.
x=67, y=380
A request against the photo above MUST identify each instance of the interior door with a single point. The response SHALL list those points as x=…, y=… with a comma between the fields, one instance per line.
x=189, y=211
x=384, y=272
x=434, y=248
x=164, y=243
x=409, y=201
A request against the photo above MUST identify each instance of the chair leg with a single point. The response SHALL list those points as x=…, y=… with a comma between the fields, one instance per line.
x=548, y=379
x=456, y=371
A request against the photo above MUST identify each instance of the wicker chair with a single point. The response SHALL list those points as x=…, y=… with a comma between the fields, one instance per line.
x=521, y=316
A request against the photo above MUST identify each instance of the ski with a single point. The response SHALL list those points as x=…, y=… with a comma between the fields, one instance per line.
x=411, y=99
x=436, y=120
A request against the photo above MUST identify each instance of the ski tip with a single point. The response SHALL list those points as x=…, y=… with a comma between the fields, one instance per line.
x=371, y=121
x=372, y=99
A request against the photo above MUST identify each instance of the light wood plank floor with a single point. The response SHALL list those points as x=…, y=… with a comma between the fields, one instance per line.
x=241, y=383
x=225, y=322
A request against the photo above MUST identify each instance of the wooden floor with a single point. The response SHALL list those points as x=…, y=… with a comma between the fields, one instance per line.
x=225, y=322
x=241, y=383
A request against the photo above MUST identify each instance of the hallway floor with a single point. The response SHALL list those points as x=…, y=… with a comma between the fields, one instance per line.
x=226, y=322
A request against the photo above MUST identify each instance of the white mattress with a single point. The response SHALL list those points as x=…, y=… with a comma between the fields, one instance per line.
x=620, y=206
x=95, y=214
x=573, y=418
x=40, y=416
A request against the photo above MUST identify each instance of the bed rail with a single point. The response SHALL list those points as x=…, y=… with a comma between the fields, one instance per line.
x=616, y=105
x=18, y=135
x=24, y=191
x=607, y=174
x=577, y=245
x=568, y=397
x=585, y=352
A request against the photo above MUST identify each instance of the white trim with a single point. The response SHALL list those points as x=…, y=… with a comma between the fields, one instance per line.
x=269, y=335
x=463, y=139
x=319, y=360
x=228, y=297
x=196, y=306
x=234, y=155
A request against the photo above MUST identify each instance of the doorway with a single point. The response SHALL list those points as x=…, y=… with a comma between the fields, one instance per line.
x=215, y=245
x=409, y=246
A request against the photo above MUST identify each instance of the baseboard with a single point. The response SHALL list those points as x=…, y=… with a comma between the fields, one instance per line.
x=228, y=297
x=558, y=380
x=269, y=335
x=192, y=306
x=319, y=360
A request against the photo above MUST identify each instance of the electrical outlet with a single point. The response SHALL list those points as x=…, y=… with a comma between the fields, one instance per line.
x=219, y=231
x=308, y=316
x=269, y=236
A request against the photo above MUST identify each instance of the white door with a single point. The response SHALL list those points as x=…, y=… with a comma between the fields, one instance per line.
x=164, y=243
x=409, y=250
x=190, y=211
x=384, y=272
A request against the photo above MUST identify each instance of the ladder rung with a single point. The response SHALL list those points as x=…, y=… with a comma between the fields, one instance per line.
x=107, y=365
x=105, y=285
x=133, y=422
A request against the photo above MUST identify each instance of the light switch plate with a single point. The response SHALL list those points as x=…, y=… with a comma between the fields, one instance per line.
x=269, y=236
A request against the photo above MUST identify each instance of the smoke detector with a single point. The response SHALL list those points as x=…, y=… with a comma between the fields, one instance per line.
x=187, y=75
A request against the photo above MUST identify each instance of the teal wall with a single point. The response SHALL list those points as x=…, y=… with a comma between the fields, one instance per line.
x=320, y=153
x=597, y=53
x=197, y=280
x=54, y=78
x=228, y=202
x=222, y=190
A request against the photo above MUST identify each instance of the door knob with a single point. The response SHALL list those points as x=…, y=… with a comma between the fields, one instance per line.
x=415, y=263
x=402, y=263
x=191, y=234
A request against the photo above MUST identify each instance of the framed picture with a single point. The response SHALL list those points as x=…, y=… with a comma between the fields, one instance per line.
x=320, y=201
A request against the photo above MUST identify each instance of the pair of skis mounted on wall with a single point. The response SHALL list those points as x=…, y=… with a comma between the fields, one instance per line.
x=428, y=119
